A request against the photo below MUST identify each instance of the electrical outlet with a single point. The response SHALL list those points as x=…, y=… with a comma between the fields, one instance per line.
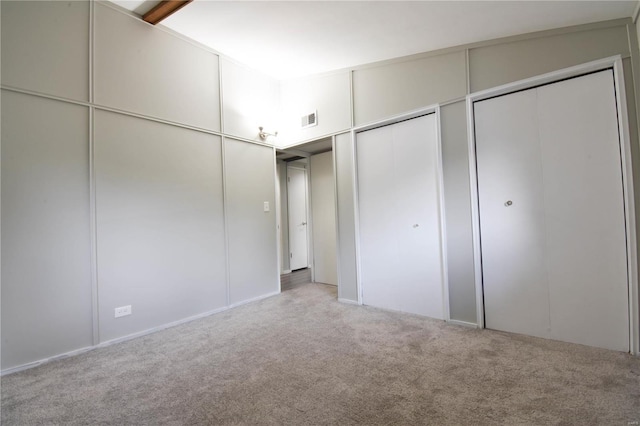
x=123, y=311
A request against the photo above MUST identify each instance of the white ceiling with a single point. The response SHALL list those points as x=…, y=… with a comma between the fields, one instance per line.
x=288, y=39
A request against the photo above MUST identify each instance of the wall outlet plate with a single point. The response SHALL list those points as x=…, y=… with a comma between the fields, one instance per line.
x=123, y=311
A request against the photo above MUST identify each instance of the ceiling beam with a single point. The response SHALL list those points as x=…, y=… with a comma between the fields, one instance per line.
x=163, y=10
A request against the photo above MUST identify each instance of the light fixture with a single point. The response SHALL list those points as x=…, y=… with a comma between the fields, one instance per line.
x=264, y=135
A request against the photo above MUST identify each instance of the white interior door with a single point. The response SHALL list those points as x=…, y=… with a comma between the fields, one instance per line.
x=400, y=225
x=554, y=259
x=298, y=218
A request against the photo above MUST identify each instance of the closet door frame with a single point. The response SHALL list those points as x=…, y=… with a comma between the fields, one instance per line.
x=614, y=63
x=433, y=109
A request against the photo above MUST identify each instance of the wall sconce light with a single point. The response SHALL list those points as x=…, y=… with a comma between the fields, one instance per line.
x=264, y=135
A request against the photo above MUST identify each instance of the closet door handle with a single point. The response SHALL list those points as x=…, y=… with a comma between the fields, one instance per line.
x=508, y=203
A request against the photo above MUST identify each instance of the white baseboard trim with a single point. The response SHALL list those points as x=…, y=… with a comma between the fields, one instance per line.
x=348, y=301
x=255, y=299
x=463, y=323
x=286, y=271
x=129, y=336
x=320, y=282
x=46, y=360
x=160, y=328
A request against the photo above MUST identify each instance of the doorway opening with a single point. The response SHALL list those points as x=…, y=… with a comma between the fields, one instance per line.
x=307, y=214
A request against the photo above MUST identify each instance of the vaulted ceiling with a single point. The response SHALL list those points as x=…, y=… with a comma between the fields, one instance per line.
x=288, y=39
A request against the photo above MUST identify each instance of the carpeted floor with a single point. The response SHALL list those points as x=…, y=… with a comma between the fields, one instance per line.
x=302, y=358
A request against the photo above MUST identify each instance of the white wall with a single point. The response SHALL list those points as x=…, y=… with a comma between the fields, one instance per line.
x=346, y=223
x=46, y=243
x=250, y=100
x=455, y=165
x=37, y=56
x=159, y=222
x=387, y=90
x=120, y=200
x=501, y=63
x=329, y=95
x=283, y=203
x=253, y=250
x=141, y=69
x=323, y=213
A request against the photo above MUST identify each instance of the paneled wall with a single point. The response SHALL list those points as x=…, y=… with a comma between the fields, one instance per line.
x=501, y=63
x=113, y=185
x=139, y=69
x=159, y=204
x=38, y=56
x=251, y=100
x=345, y=175
x=283, y=219
x=323, y=213
x=329, y=95
x=46, y=242
x=455, y=166
x=386, y=90
x=251, y=211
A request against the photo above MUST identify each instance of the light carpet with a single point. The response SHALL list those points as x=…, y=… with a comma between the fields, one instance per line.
x=302, y=358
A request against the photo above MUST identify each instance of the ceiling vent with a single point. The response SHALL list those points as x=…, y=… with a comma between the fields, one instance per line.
x=310, y=120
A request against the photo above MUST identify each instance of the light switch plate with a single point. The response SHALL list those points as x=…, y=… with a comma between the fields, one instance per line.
x=266, y=206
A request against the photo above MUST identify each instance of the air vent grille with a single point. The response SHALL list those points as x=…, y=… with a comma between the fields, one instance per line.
x=310, y=120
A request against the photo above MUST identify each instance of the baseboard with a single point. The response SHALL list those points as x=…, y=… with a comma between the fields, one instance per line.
x=159, y=328
x=348, y=301
x=255, y=299
x=320, y=282
x=286, y=271
x=463, y=323
x=46, y=360
x=130, y=336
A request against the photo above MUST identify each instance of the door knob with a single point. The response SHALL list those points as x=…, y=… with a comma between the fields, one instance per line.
x=508, y=203
x=303, y=223
x=416, y=225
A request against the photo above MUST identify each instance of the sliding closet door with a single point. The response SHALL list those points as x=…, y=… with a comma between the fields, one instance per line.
x=552, y=212
x=400, y=241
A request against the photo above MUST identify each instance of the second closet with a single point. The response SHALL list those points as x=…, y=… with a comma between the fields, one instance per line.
x=400, y=220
